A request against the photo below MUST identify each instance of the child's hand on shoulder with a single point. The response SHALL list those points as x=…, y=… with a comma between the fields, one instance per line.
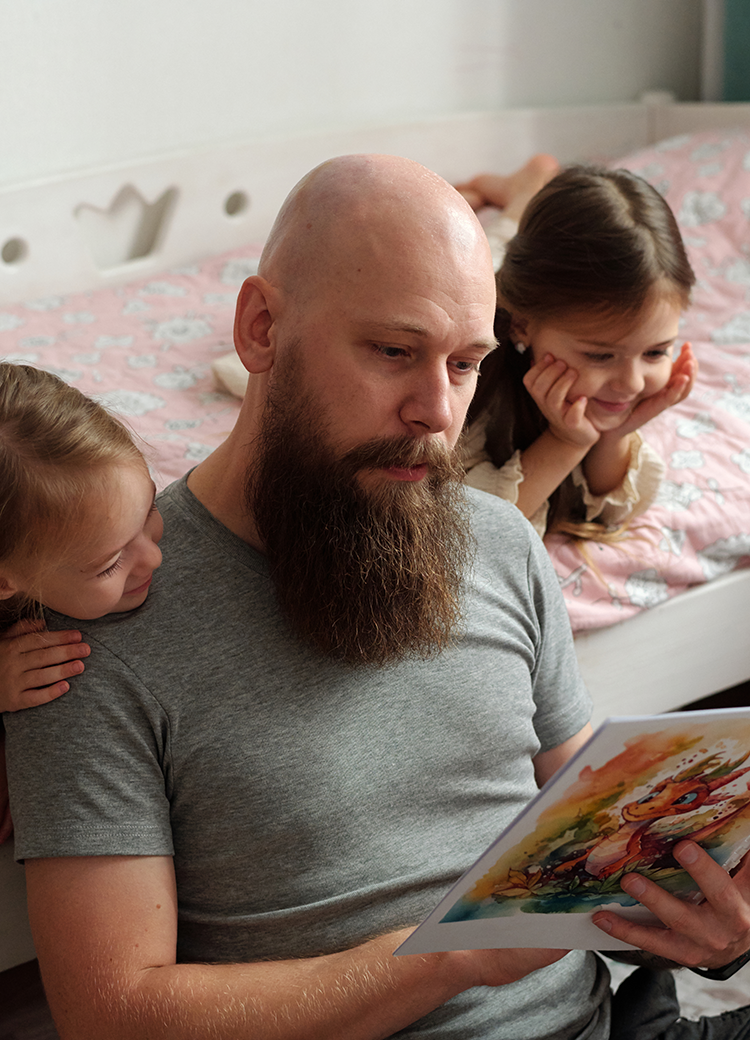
x=35, y=664
x=681, y=382
x=549, y=382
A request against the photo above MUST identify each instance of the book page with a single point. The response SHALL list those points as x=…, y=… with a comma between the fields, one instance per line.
x=620, y=805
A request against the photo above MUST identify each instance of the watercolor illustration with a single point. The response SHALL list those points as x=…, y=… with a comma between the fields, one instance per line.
x=627, y=814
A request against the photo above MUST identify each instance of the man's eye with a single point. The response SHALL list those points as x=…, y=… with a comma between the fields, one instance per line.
x=389, y=351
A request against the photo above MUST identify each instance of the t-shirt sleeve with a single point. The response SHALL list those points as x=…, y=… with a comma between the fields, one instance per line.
x=505, y=481
x=89, y=772
x=563, y=704
x=516, y=558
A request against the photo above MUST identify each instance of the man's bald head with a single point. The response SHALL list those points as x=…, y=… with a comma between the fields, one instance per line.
x=356, y=210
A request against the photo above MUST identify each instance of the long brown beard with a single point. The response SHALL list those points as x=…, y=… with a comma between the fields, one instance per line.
x=367, y=576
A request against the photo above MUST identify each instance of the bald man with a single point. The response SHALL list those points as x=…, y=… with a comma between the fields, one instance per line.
x=349, y=676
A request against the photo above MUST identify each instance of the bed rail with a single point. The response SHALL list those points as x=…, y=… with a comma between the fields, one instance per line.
x=90, y=228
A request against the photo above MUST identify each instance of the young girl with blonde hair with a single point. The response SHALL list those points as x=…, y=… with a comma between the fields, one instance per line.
x=590, y=292
x=79, y=533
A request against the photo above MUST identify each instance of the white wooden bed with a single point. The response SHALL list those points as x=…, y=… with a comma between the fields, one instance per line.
x=100, y=230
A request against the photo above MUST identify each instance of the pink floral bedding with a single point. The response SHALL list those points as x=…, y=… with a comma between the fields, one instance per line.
x=145, y=350
x=699, y=527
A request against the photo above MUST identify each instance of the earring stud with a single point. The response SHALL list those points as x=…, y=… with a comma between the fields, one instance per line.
x=520, y=347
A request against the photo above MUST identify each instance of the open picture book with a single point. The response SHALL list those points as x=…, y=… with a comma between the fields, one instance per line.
x=619, y=805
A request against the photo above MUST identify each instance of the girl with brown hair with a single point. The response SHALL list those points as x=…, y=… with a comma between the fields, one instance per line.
x=590, y=292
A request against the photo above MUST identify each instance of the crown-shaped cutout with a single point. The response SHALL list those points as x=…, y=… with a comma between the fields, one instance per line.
x=130, y=229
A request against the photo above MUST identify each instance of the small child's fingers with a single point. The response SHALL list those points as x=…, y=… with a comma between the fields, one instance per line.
x=39, y=651
x=43, y=694
x=682, y=388
x=23, y=627
x=676, y=390
x=480, y=190
x=581, y=430
x=47, y=638
x=52, y=671
x=545, y=374
x=536, y=370
x=551, y=391
x=576, y=413
x=686, y=353
x=686, y=362
x=45, y=685
x=561, y=383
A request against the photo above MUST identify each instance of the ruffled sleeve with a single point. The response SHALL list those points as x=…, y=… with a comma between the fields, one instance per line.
x=502, y=481
x=634, y=495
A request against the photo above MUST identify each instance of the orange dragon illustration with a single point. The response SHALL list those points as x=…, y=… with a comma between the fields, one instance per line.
x=635, y=841
x=617, y=814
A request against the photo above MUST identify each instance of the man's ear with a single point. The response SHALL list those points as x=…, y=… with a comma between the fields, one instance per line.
x=253, y=320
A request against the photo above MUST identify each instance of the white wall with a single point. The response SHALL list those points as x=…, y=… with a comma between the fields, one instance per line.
x=88, y=82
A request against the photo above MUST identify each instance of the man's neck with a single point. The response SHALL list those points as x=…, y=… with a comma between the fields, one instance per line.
x=218, y=483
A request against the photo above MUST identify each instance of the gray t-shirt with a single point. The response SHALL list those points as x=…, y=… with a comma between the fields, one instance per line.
x=310, y=804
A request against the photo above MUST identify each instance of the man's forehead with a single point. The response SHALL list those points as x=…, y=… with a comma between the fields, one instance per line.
x=354, y=215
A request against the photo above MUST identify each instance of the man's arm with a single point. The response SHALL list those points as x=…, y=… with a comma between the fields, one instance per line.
x=105, y=930
x=546, y=763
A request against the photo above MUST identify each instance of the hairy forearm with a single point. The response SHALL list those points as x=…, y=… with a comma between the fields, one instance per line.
x=359, y=994
x=607, y=463
x=546, y=464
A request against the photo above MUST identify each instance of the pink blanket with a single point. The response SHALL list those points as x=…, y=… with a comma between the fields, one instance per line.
x=145, y=351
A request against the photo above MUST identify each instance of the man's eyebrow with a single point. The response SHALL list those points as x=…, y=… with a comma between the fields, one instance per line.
x=379, y=328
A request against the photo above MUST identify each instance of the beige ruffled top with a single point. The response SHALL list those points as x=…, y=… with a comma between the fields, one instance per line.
x=634, y=495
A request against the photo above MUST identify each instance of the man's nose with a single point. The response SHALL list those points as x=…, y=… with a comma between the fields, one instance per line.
x=428, y=407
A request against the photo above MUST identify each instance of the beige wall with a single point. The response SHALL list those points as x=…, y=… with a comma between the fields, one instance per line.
x=87, y=82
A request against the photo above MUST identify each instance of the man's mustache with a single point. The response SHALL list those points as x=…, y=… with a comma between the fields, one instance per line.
x=404, y=453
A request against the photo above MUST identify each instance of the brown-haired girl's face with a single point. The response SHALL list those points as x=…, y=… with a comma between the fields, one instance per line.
x=618, y=361
x=116, y=551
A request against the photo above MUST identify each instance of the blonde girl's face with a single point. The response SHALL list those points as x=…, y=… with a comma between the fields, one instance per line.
x=618, y=361
x=114, y=557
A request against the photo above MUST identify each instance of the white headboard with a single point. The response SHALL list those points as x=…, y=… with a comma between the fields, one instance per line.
x=106, y=226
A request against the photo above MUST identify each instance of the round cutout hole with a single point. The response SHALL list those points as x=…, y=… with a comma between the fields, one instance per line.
x=236, y=203
x=14, y=251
